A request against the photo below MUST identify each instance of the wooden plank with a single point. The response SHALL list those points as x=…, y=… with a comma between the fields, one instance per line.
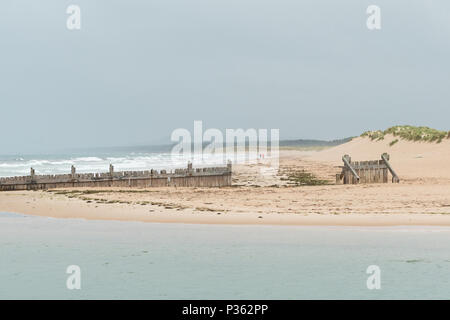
x=375, y=174
x=385, y=175
x=379, y=174
x=338, y=178
x=380, y=170
x=373, y=165
x=365, y=171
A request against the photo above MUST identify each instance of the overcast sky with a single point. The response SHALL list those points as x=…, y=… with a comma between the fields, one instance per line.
x=139, y=69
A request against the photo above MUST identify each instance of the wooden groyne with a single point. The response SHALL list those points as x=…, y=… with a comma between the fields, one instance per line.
x=375, y=171
x=189, y=177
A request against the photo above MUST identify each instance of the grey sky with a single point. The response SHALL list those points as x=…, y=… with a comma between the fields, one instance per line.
x=138, y=69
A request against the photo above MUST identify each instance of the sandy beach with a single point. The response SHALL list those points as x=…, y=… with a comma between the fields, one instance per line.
x=260, y=196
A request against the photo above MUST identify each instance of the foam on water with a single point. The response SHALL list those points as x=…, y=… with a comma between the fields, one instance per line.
x=130, y=161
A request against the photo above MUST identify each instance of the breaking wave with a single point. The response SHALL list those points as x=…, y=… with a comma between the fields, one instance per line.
x=20, y=166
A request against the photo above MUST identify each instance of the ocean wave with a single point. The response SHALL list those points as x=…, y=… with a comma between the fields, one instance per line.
x=122, y=162
x=11, y=165
x=88, y=159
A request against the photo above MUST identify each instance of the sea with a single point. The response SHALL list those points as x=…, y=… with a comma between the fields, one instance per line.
x=98, y=161
x=136, y=260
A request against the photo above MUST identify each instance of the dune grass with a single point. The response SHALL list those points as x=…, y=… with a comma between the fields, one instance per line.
x=303, y=178
x=393, y=142
x=409, y=133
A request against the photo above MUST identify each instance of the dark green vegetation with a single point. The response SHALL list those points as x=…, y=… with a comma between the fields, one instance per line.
x=303, y=178
x=393, y=142
x=313, y=143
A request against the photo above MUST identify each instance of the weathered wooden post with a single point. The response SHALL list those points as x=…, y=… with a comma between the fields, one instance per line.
x=338, y=178
x=73, y=171
x=377, y=171
x=32, y=175
x=350, y=173
x=385, y=175
x=229, y=180
x=111, y=170
x=395, y=178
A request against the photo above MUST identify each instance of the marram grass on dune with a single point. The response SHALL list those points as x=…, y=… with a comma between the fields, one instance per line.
x=409, y=133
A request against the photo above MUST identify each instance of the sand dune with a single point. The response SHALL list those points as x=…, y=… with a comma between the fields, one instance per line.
x=411, y=160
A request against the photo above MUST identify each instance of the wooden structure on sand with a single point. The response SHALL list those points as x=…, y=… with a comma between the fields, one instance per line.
x=188, y=177
x=375, y=171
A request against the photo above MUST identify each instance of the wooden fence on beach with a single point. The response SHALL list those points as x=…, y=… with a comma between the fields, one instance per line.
x=188, y=177
x=375, y=171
